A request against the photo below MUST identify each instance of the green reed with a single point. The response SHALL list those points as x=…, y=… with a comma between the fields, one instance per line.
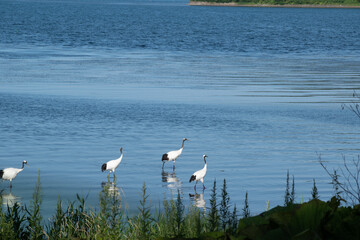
x=75, y=220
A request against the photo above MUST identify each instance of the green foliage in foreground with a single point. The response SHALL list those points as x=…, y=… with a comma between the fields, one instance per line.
x=315, y=219
x=288, y=2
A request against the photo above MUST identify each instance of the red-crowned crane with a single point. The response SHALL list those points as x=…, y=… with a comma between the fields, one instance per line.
x=199, y=175
x=173, y=155
x=11, y=173
x=112, y=165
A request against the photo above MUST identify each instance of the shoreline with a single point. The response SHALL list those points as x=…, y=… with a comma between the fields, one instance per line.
x=233, y=4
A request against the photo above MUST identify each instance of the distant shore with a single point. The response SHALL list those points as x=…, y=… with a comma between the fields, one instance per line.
x=233, y=4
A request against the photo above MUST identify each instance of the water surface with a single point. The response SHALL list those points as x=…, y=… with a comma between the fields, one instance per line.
x=258, y=90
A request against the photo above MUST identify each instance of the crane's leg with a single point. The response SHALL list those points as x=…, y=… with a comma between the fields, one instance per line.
x=195, y=185
x=163, y=164
x=114, y=176
x=10, y=184
x=174, y=165
x=202, y=180
x=108, y=176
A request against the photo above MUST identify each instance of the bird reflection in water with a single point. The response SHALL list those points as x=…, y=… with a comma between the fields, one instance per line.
x=8, y=199
x=111, y=188
x=170, y=180
x=113, y=195
x=198, y=200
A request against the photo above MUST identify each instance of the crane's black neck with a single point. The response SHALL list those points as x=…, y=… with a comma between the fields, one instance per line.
x=205, y=160
x=23, y=164
x=182, y=146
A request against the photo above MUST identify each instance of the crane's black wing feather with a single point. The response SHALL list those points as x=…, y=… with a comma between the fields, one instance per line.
x=103, y=167
x=165, y=157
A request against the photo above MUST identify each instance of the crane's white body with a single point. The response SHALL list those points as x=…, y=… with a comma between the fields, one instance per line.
x=200, y=174
x=173, y=155
x=11, y=173
x=112, y=164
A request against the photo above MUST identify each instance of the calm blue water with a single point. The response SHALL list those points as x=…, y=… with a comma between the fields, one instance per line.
x=259, y=90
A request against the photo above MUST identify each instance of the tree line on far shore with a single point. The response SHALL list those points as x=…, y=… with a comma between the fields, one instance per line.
x=285, y=2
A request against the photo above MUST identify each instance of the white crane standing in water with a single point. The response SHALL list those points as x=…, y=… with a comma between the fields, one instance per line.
x=199, y=175
x=11, y=173
x=173, y=155
x=112, y=165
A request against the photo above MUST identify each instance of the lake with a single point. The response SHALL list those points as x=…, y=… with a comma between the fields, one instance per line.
x=258, y=90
